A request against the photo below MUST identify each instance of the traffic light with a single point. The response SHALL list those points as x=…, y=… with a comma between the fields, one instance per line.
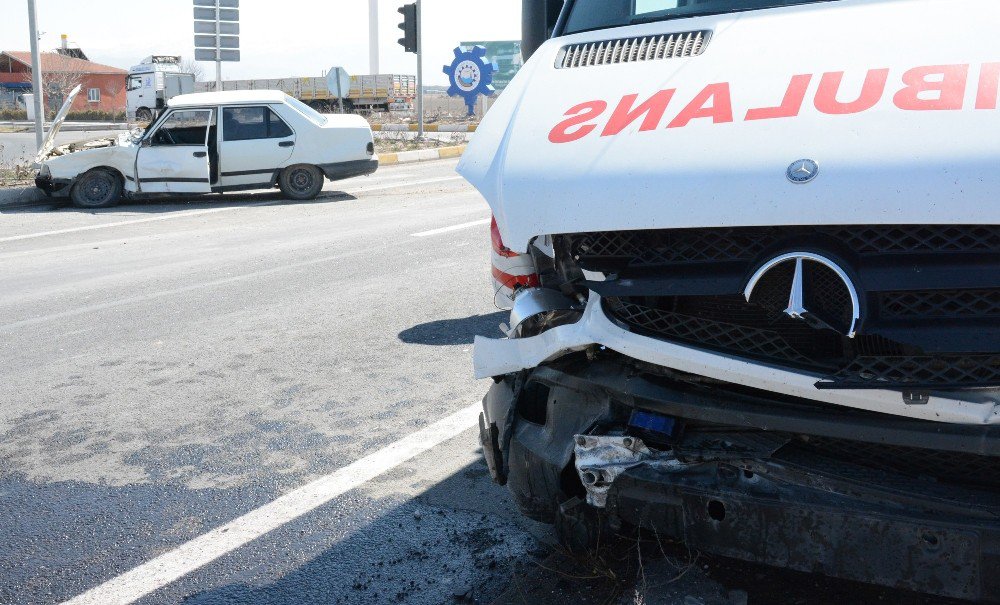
x=409, y=27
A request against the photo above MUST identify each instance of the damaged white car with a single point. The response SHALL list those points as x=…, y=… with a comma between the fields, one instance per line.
x=211, y=143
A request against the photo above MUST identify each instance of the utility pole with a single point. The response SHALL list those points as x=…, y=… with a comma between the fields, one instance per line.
x=218, y=51
x=420, y=71
x=36, y=75
x=373, y=62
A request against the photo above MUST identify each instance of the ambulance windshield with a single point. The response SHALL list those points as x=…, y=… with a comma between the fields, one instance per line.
x=588, y=15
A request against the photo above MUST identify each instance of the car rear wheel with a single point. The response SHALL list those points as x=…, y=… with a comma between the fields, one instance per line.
x=96, y=189
x=301, y=182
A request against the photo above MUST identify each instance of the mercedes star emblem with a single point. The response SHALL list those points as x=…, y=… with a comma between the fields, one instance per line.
x=800, y=286
x=802, y=171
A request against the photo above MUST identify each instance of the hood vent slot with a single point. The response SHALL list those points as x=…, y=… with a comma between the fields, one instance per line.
x=632, y=50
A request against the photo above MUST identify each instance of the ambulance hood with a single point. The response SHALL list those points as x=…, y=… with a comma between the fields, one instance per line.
x=893, y=100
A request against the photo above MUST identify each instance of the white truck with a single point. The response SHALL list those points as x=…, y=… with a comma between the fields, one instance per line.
x=752, y=250
x=153, y=82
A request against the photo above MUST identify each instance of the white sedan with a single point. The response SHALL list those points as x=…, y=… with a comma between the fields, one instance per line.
x=211, y=143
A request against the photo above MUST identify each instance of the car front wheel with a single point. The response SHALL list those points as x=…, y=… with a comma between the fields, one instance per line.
x=301, y=182
x=96, y=189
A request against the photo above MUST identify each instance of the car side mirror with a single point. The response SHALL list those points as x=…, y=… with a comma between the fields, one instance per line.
x=148, y=142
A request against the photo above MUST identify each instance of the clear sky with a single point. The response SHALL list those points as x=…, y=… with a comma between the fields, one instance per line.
x=282, y=38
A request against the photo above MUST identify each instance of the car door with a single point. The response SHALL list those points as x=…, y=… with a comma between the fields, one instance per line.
x=256, y=143
x=173, y=157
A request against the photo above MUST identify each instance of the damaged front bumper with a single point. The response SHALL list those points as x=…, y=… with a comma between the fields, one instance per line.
x=53, y=187
x=900, y=502
x=498, y=357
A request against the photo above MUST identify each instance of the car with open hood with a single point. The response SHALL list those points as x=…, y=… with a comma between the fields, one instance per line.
x=752, y=252
x=211, y=143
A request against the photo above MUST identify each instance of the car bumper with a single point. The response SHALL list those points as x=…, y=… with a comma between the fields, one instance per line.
x=497, y=357
x=346, y=170
x=799, y=511
x=53, y=187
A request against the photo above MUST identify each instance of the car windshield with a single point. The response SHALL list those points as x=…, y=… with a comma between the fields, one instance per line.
x=588, y=15
x=307, y=111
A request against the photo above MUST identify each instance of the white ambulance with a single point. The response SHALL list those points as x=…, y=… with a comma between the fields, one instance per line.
x=752, y=250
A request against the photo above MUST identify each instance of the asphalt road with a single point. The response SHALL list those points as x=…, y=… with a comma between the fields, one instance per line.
x=240, y=399
x=170, y=367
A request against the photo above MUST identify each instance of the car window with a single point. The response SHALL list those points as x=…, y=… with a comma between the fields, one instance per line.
x=276, y=127
x=313, y=115
x=244, y=123
x=134, y=82
x=249, y=123
x=188, y=127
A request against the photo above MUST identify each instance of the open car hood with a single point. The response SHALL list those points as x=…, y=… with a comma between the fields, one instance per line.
x=50, y=137
x=854, y=85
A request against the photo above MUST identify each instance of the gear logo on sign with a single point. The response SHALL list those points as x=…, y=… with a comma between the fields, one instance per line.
x=471, y=75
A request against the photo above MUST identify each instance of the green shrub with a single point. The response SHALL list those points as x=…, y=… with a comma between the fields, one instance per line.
x=90, y=115
x=13, y=114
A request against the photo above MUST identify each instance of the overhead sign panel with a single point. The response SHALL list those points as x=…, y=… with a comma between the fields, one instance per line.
x=216, y=30
x=208, y=14
x=208, y=27
x=209, y=54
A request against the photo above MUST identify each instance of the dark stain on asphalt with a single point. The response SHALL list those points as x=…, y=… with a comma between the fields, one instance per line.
x=61, y=538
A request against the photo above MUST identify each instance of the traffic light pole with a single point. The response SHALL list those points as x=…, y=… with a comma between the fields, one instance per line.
x=420, y=71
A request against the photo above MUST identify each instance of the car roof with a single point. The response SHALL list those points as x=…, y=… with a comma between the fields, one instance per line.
x=227, y=97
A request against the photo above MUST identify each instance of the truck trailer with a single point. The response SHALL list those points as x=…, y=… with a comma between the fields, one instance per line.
x=381, y=92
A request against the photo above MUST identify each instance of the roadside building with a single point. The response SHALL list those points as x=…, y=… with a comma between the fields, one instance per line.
x=103, y=86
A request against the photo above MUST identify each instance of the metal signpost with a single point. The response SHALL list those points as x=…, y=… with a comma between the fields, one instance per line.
x=217, y=33
x=36, y=75
x=339, y=83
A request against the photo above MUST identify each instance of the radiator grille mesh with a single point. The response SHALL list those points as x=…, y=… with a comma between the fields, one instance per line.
x=631, y=50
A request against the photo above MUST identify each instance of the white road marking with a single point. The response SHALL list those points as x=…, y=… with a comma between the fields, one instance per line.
x=173, y=292
x=178, y=215
x=412, y=183
x=188, y=557
x=154, y=219
x=484, y=221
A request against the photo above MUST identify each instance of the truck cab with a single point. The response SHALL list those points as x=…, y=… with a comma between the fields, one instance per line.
x=752, y=255
x=153, y=82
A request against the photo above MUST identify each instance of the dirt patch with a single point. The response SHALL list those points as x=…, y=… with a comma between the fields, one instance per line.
x=393, y=142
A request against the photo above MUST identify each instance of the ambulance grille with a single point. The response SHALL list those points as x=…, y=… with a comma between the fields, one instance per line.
x=631, y=50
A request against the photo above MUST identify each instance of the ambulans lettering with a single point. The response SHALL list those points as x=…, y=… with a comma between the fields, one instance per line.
x=576, y=127
x=829, y=93
x=925, y=88
x=790, y=106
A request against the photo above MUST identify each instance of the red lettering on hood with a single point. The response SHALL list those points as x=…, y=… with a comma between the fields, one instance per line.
x=931, y=87
x=989, y=86
x=871, y=92
x=950, y=89
x=581, y=114
x=653, y=108
x=721, y=109
x=790, y=106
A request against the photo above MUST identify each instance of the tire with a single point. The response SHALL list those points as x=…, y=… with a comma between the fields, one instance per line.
x=301, y=182
x=97, y=188
x=143, y=114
